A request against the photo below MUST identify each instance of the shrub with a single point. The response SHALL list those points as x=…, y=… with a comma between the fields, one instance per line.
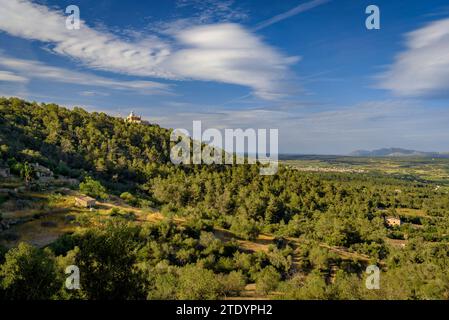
x=164, y=286
x=93, y=188
x=114, y=212
x=245, y=228
x=130, y=199
x=107, y=259
x=198, y=283
x=233, y=283
x=267, y=280
x=63, y=244
x=29, y=274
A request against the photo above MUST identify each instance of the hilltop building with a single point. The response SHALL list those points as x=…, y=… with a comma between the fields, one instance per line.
x=133, y=118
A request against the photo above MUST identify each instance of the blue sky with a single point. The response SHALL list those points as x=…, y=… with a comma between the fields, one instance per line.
x=307, y=67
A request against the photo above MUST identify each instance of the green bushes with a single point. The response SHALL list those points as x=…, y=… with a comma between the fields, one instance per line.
x=107, y=261
x=197, y=283
x=126, y=215
x=267, y=280
x=130, y=199
x=28, y=273
x=314, y=287
x=93, y=188
x=245, y=228
x=120, y=260
x=192, y=282
x=232, y=283
x=162, y=283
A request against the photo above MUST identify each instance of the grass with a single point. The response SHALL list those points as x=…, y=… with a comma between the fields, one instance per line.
x=44, y=217
x=411, y=212
x=35, y=232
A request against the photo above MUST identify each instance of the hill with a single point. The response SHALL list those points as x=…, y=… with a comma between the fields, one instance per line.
x=75, y=142
x=397, y=152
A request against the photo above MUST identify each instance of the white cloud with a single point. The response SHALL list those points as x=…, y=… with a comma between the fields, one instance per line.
x=423, y=69
x=33, y=69
x=230, y=54
x=11, y=77
x=98, y=50
x=216, y=52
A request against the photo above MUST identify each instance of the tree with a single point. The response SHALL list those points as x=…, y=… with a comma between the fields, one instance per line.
x=245, y=228
x=273, y=212
x=27, y=172
x=267, y=280
x=232, y=283
x=107, y=262
x=93, y=188
x=29, y=273
x=130, y=199
x=312, y=288
x=197, y=283
x=163, y=282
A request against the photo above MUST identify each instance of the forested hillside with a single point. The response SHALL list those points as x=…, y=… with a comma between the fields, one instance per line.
x=326, y=227
x=72, y=141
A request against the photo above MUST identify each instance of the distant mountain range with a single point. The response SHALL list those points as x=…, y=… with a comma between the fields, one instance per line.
x=397, y=152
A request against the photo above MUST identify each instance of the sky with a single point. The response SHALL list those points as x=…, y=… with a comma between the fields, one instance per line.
x=309, y=68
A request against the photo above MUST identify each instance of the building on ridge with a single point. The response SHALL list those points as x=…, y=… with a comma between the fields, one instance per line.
x=133, y=118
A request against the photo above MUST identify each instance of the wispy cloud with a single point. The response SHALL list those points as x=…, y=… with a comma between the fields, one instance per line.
x=210, y=11
x=93, y=94
x=423, y=68
x=99, y=50
x=25, y=70
x=200, y=12
x=290, y=13
x=11, y=77
x=225, y=52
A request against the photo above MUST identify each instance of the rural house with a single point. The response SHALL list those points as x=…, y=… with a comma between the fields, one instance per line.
x=42, y=172
x=85, y=202
x=393, y=221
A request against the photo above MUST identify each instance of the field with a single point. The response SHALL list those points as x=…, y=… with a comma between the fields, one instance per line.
x=417, y=169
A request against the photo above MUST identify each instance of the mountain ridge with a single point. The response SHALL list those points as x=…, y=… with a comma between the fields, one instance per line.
x=397, y=152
